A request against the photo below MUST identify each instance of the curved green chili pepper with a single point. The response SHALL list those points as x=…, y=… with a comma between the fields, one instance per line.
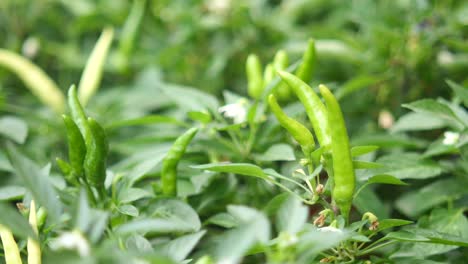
x=306, y=69
x=298, y=131
x=96, y=155
x=315, y=109
x=281, y=62
x=78, y=114
x=170, y=162
x=254, y=76
x=76, y=146
x=343, y=170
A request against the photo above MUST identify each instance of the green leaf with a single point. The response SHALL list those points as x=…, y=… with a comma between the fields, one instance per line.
x=385, y=179
x=233, y=244
x=8, y=193
x=277, y=152
x=368, y=201
x=389, y=141
x=460, y=91
x=406, y=237
x=146, y=120
x=222, y=219
x=36, y=181
x=13, y=128
x=236, y=168
x=438, y=148
x=360, y=164
x=128, y=209
x=138, y=243
x=356, y=84
x=415, y=121
x=179, y=248
x=291, y=216
x=82, y=217
x=128, y=195
x=190, y=99
x=169, y=216
x=444, y=230
x=4, y=163
x=433, y=107
x=389, y=223
x=362, y=150
x=416, y=202
x=14, y=221
x=313, y=241
x=406, y=166
x=99, y=220
x=201, y=116
x=139, y=164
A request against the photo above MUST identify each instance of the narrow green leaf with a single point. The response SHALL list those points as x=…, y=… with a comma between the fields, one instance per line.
x=460, y=91
x=11, y=193
x=179, y=248
x=277, y=152
x=362, y=150
x=291, y=216
x=169, y=216
x=13, y=128
x=356, y=84
x=36, y=181
x=415, y=121
x=146, y=120
x=236, y=168
x=14, y=221
x=416, y=202
x=360, y=164
x=389, y=223
x=385, y=179
x=431, y=106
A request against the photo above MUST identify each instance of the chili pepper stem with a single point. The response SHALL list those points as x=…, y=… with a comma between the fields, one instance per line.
x=89, y=191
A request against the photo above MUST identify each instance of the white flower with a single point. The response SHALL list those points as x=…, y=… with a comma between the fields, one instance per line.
x=237, y=111
x=330, y=229
x=219, y=6
x=72, y=240
x=30, y=47
x=450, y=138
x=445, y=57
x=386, y=119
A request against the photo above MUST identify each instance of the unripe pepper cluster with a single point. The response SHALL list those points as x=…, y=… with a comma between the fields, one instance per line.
x=326, y=119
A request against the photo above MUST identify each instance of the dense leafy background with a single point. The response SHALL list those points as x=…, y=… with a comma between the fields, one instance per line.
x=171, y=62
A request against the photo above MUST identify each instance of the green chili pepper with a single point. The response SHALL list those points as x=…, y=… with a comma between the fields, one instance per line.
x=78, y=114
x=306, y=69
x=343, y=170
x=315, y=109
x=298, y=131
x=65, y=168
x=254, y=76
x=281, y=62
x=96, y=155
x=169, y=166
x=10, y=248
x=268, y=74
x=76, y=146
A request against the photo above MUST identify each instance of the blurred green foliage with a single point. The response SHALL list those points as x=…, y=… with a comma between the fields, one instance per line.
x=410, y=46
